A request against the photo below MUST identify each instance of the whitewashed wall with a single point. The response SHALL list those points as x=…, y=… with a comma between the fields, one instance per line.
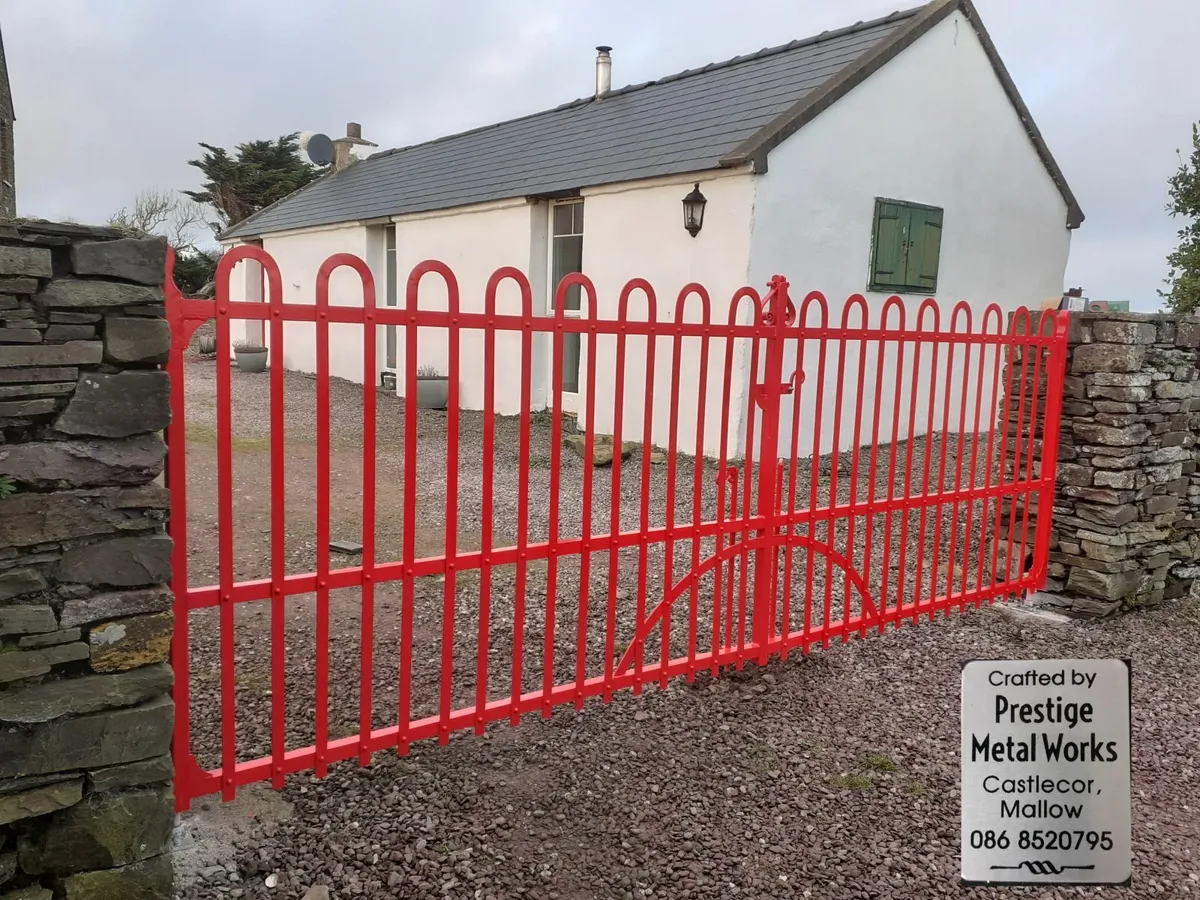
x=933, y=126
x=637, y=231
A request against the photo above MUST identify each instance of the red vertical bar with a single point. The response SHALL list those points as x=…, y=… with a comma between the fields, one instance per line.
x=815, y=468
x=834, y=505
x=767, y=559
x=880, y=352
x=754, y=396
x=928, y=463
x=735, y=618
x=1018, y=434
x=644, y=501
x=697, y=475
x=972, y=462
x=797, y=386
x=560, y=301
x=518, y=657
x=176, y=482
x=225, y=543
x=909, y=448
x=1056, y=367
x=323, y=491
x=367, y=638
x=1027, y=492
x=404, y=712
x=891, y=478
x=278, y=534
x=614, y=571
x=1010, y=367
x=944, y=446
x=992, y=309
x=861, y=302
x=489, y=486
x=585, y=552
x=672, y=447
x=449, y=586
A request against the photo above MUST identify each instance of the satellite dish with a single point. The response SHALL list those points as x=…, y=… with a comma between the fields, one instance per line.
x=319, y=149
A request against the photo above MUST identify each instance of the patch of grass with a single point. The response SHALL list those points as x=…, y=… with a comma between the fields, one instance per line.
x=852, y=782
x=539, y=461
x=207, y=434
x=8, y=487
x=916, y=789
x=760, y=758
x=879, y=762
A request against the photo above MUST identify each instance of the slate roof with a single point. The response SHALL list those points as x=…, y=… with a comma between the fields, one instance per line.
x=724, y=114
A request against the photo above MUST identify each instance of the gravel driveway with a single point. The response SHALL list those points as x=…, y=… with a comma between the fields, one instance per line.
x=832, y=776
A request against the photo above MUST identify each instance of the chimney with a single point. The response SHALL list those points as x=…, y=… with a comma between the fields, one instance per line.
x=603, y=70
x=343, y=147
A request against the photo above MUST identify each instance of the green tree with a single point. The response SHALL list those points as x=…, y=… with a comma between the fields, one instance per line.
x=255, y=175
x=1184, y=262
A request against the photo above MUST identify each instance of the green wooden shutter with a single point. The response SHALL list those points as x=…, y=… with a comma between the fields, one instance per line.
x=924, y=249
x=891, y=232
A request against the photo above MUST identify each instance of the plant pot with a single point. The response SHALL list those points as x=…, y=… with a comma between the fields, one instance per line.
x=251, y=360
x=433, y=392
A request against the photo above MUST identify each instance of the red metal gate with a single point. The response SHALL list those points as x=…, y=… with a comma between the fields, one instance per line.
x=864, y=472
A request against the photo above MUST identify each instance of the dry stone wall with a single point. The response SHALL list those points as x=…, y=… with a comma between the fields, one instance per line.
x=1127, y=504
x=86, y=809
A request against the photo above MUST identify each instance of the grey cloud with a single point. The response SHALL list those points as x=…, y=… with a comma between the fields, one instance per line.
x=113, y=95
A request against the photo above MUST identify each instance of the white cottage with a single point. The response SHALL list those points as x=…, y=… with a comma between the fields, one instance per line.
x=891, y=157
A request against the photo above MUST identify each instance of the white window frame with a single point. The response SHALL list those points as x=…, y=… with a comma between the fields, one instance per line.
x=570, y=398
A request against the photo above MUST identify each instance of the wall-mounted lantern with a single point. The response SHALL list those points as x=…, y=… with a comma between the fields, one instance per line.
x=693, y=211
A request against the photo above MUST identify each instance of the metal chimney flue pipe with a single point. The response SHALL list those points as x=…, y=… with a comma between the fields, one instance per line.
x=603, y=70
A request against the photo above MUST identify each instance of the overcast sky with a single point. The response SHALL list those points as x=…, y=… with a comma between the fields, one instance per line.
x=113, y=95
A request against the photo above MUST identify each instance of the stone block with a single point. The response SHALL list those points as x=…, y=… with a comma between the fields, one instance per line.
x=1107, y=586
x=58, y=333
x=20, y=336
x=47, y=518
x=1177, y=439
x=1177, y=390
x=15, y=409
x=31, y=261
x=1130, y=436
x=1104, y=552
x=129, y=339
x=1077, y=475
x=25, y=376
x=1120, y=479
x=1082, y=607
x=1122, y=421
x=119, y=405
x=1098, y=495
x=150, y=879
x=1115, y=407
x=91, y=741
x=16, y=665
x=33, y=892
x=37, y=703
x=72, y=353
x=16, y=582
x=1120, y=379
x=74, y=293
x=18, y=285
x=1187, y=333
x=1125, y=461
x=1120, y=394
x=1161, y=504
x=141, y=260
x=26, y=620
x=119, y=562
x=1124, y=332
x=82, y=463
x=49, y=639
x=8, y=865
x=40, y=801
x=1163, y=474
x=20, y=391
x=64, y=317
x=131, y=642
x=1074, y=387
x=1105, y=515
x=1168, y=455
x=103, y=831
x=1077, y=408
x=146, y=771
x=101, y=607
x=1098, y=357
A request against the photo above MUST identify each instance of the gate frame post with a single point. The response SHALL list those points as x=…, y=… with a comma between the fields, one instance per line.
x=778, y=313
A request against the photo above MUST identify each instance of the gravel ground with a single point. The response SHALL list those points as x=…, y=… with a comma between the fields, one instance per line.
x=832, y=776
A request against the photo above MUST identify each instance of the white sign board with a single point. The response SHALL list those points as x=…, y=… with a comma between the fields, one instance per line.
x=1045, y=771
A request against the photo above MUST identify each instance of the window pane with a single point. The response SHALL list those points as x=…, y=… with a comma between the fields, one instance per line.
x=562, y=218
x=391, y=237
x=568, y=258
x=570, y=369
x=578, y=208
x=389, y=295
